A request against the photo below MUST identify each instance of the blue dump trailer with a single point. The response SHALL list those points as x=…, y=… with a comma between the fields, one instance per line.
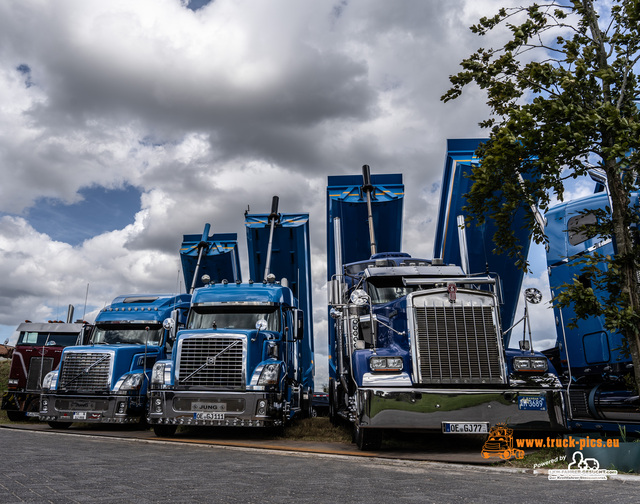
x=592, y=360
x=417, y=344
x=246, y=355
x=215, y=256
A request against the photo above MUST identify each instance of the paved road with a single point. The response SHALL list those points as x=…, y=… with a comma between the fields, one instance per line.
x=39, y=467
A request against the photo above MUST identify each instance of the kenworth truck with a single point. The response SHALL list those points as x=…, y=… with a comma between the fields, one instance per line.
x=591, y=359
x=37, y=352
x=106, y=381
x=246, y=355
x=418, y=344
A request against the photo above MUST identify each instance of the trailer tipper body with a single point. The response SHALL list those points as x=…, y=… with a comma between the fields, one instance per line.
x=215, y=256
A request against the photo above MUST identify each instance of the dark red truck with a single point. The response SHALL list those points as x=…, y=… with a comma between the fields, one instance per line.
x=37, y=352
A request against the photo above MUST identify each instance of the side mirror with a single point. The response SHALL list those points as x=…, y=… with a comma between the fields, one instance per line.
x=368, y=325
x=85, y=334
x=298, y=319
x=334, y=292
x=169, y=325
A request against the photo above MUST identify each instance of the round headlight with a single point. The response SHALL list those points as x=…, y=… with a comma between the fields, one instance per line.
x=359, y=297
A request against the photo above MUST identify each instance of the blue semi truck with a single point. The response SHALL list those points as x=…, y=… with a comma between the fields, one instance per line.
x=107, y=380
x=594, y=365
x=245, y=357
x=418, y=344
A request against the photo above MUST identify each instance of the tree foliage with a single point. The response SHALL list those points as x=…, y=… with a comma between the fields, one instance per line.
x=563, y=94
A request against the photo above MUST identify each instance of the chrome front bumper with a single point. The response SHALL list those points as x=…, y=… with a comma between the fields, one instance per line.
x=86, y=408
x=409, y=408
x=214, y=408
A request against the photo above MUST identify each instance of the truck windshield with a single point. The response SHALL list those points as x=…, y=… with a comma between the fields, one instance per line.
x=233, y=317
x=127, y=334
x=42, y=338
x=387, y=289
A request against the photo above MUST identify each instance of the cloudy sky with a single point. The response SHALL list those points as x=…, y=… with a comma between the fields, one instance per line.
x=125, y=125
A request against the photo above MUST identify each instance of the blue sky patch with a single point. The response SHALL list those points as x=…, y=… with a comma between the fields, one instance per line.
x=194, y=5
x=102, y=210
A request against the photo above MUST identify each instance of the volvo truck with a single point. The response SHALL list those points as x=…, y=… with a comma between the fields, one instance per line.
x=246, y=356
x=107, y=381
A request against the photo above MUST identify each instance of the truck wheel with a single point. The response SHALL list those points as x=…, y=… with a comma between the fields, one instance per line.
x=164, y=430
x=333, y=407
x=15, y=416
x=367, y=439
x=307, y=405
x=59, y=425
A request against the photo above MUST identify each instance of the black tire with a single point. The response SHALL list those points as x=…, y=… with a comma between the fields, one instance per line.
x=164, y=430
x=333, y=406
x=59, y=425
x=307, y=405
x=142, y=423
x=367, y=439
x=16, y=416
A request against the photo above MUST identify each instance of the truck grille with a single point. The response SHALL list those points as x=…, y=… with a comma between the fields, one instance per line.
x=457, y=345
x=212, y=362
x=37, y=371
x=85, y=371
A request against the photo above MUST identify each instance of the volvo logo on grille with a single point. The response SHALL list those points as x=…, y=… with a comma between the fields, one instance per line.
x=211, y=361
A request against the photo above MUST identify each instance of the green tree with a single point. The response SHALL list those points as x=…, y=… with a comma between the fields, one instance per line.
x=563, y=95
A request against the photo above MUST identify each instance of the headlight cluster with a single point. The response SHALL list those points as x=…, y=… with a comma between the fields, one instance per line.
x=50, y=381
x=385, y=364
x=261, y=407
x=128, y=383
x=269, y=375
x=157, y=375
x=538, y=364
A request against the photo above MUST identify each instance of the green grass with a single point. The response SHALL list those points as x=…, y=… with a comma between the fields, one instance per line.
x=541, y=456
x=317, y=429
